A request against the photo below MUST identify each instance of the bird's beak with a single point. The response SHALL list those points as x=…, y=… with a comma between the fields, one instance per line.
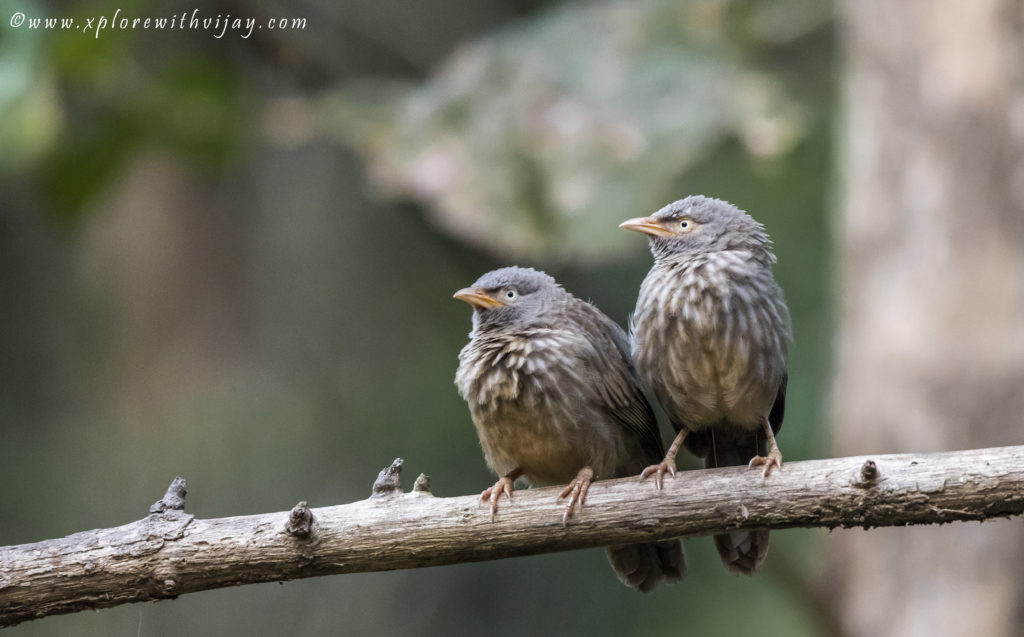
x=477, y=298
x=647, y=225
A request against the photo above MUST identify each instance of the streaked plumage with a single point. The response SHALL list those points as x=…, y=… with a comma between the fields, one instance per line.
x=553, y=395
x=711, y=334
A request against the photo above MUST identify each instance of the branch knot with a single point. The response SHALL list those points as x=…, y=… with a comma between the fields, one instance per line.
x=389, y=480
x=868, y=472
x=300, y=521
x=174, y=498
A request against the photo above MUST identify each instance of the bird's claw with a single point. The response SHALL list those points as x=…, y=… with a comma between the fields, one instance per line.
x=503, y=485
x=773, y=459
x=659, y=470
x=576, y=491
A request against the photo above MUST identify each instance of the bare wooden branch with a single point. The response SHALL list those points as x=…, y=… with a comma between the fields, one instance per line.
x=169, y=552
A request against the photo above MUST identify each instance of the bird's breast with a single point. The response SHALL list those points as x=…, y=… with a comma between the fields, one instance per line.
x=528, y=401
x=511, y=369
x=711, y=340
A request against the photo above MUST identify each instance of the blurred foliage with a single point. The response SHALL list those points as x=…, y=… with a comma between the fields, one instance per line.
x=538, y=140
x=190, y=108
x=28, y=117
x=77, y=107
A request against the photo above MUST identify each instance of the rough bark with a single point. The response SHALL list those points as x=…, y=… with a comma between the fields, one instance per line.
x=931, y=321
x=169, y=552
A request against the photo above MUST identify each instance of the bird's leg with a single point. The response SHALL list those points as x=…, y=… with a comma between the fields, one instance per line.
x=774, y=457
x=576, y=491
x=668, y=465
x=505, y=484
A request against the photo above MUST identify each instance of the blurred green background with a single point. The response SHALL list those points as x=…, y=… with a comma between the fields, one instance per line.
x=232, y=259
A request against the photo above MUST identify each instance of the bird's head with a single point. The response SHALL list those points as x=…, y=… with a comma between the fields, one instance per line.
x=700, y=225
x=510, y=297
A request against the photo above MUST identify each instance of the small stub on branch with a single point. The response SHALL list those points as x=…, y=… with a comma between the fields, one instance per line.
x=389, y=480
x=422, y=485
x=300, y=521
x=173, y=500
x=869, y=471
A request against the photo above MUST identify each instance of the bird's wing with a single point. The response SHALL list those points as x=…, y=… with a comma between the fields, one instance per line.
x=778, y=410
x=620, y=386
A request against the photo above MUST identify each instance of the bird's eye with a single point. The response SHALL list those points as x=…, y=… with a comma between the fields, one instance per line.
x=511, y=294
x=686, y=225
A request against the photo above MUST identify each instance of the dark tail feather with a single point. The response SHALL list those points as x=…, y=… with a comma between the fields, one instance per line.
x=741, y=551
x=642, y=566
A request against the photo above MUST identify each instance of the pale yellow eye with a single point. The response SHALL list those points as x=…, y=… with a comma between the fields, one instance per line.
x=686, y=225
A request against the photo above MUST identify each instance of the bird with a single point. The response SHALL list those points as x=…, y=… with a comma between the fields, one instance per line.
x=710, y=339
x=555, y=399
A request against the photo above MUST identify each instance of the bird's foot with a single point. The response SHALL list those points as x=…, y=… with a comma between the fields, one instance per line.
x=773, y=459
x=503, y=485
x=668, y=465
x=576, y=491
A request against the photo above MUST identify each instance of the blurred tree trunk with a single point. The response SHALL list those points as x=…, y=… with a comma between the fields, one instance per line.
x=931, y=321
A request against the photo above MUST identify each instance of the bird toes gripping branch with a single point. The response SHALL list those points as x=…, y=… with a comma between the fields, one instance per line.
x=505, y=484
x=773, y=459
x=668, y=465
x=576, y=491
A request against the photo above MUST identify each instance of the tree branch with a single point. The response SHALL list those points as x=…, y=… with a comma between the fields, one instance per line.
x=169, y=552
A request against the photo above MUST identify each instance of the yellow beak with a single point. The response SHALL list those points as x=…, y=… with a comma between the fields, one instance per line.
x=477, y=298
x=647, y=225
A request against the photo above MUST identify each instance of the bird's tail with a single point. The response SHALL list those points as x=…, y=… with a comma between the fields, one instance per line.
x=642, y=566
x=741, y=551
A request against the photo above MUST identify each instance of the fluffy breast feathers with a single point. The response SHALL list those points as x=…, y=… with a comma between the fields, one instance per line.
x=711, y=337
